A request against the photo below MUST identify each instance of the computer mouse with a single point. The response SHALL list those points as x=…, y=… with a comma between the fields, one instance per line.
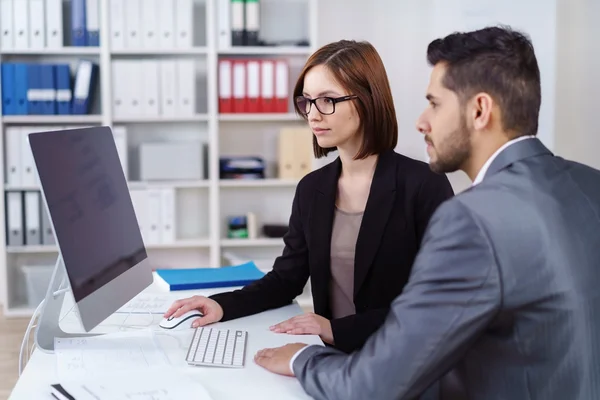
x=184, y=321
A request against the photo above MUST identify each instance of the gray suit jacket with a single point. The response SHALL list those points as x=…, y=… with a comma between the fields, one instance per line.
x=505, y=291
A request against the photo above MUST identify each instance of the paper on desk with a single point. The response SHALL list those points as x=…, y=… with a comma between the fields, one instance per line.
x=116, y=352
x=156, y=385
x=153, y=303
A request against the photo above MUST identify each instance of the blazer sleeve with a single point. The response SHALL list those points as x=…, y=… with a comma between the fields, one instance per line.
x=453, y=294
x=433, y=191
x=282, y=284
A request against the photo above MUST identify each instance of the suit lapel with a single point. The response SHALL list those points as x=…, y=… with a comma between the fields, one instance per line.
x=321, y=225
x=516, y=152
x=381, y=200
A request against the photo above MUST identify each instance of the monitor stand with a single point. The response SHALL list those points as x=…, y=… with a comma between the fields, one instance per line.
x=48, y=327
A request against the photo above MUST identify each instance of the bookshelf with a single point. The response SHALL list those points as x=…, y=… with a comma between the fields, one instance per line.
x=202, y=206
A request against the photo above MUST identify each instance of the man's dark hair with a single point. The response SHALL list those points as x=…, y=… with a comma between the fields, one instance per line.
x=498, y=61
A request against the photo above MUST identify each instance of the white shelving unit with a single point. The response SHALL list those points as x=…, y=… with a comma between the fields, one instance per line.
x=202, y=206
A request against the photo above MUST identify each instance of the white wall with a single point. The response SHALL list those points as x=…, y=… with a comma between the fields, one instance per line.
x=402, y=29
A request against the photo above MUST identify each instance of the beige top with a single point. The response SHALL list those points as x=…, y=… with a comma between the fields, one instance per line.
x=343, y=242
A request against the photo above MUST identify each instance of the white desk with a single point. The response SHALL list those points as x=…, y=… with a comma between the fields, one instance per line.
x=250, y=382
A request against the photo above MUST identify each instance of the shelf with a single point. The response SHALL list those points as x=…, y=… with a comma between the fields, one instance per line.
x=257, y=183
x=260, y=242
x=167, y=52
x=267, y=50
x=160, y=118
x=61, y=51
x=259, y=117
x=179, y=244
x=169, y=184
x=19, y=312
x=52, y=119
x=17, y=188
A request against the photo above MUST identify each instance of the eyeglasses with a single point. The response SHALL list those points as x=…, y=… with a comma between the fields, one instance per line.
x=325, y=105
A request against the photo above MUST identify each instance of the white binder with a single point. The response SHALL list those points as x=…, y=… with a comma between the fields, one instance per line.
x=153, y=213
x=133, y=39
x=14, y=218
x=13, y=156
x=168, y=87
x=92, y=19
x=119, y=88
x=47, y=231
x=140, y=206
x=33, y=233
x=184, y=23
x=149, y=87
x=166, y=23
x=117, y=24
x=224, y=25
x=186, y=84
x=29, y=175
x=54, y=24
x=7, y=39
x=37, y=25
x=167, y=212
x=120, y=136
x=149, y=25
x=21, y=24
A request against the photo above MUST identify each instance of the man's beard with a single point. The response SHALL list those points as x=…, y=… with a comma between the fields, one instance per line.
x=453, y=151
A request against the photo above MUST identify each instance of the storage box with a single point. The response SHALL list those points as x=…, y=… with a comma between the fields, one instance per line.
x=172, y=161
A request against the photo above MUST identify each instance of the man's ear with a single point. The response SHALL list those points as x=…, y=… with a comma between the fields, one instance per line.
x=482, y=110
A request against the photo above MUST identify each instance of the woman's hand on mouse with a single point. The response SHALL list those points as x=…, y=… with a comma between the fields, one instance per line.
x=211, y=310
x=306, y=324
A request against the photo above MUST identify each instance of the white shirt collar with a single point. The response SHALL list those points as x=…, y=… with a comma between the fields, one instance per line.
x=487, y=164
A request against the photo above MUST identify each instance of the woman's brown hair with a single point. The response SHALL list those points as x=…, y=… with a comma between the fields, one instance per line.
x=359, y=69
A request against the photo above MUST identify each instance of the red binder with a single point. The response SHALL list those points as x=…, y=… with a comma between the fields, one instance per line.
x=253, y=85
x=282, y=86
x=240, y=86
x=267, y=86
x=225, y=89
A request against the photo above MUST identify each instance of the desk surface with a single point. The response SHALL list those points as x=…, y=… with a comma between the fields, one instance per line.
x=250, y=382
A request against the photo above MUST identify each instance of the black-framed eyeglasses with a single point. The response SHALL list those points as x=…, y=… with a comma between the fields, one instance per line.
x=325, y=105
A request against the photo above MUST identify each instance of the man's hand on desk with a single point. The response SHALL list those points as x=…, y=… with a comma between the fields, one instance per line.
x=211, y=309
x=277, y=360
x=306, y=324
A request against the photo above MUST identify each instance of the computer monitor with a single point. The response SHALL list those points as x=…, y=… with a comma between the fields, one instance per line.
x=101, y=250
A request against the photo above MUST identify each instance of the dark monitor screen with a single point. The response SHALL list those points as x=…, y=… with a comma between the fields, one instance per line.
x=89, y=204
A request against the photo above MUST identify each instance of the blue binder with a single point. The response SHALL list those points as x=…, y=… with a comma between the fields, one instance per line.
x=84, y=87
x=8, y=89
x=21, y=86
x=34, y=89
x=204, y=278
x=64, y=93
x=78, y=25
x=48, y=83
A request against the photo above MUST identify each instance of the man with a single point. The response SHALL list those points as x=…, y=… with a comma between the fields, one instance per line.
x=506, y=288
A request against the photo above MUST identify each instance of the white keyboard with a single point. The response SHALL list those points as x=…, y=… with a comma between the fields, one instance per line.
x=217, y=347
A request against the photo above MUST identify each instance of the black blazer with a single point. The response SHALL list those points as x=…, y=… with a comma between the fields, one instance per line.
x=403, y=196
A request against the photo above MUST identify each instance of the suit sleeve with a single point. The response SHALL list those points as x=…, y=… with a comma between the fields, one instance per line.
x=433, y=191
x=282, y=284
x=452, y=295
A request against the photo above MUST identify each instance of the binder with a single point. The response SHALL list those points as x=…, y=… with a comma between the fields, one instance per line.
x=117, y=24
x=34, y=89
x=135, y=87
x=286, y=155
x=239, y=86
x=133, y=39
x=92, y=23
x=64, y=92
x=167, y=215
x=7, y=39
x=184, y=23
x=224, y=25
x=20, y=89
x=21, y=23
x=14, y=219
x=166, y=23
x=46, y=229
x=138, y=199
x=33, y=221
x=295, y=152
x=267, y=86
x=149, y=87
x=253, y=86
x=13, y=156
x=54, y=24
x=252, y=19
x=237, y=22
x=153, y=198
x=205, y=278
x=29, y=176
x=149, y=25
x=120, y=136
x=225, y=86
x=8, y=88
x=281, y=86
x=186, y=87
x=84, y=88
x=168, y=87
x=78, y=23
x=37, y=28
x=48, y=89
x=119, y=88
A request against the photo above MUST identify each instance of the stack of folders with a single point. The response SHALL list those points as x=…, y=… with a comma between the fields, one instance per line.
x=47, y=89
x=38, y=24
x=27, y=221
x=253, y=85
x=155, y=212
x=151, y=24
x=154, y=87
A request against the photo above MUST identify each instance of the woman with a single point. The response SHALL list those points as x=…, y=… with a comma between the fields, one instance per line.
x=356, y=223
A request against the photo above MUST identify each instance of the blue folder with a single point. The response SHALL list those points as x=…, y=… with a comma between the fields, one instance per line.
x=64, y=93
x=20, y=88
x=9, y=104
x=78, y=23
x=205, y=278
